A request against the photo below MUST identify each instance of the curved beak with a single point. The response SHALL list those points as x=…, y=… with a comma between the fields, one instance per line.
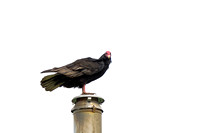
x=108, y=56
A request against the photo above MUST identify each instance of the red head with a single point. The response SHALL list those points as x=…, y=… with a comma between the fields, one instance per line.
x=108, y=54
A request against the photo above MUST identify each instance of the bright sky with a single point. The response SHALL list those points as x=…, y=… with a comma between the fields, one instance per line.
x=152, y=85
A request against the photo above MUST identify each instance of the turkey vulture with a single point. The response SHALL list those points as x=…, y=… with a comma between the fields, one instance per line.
x=77, y=74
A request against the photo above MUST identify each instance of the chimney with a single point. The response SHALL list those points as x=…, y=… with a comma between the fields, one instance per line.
x=87, y=114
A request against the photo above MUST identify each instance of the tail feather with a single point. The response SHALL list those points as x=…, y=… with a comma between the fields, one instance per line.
x=51, y=82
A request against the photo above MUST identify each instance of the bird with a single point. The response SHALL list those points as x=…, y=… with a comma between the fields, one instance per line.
x=77, y=74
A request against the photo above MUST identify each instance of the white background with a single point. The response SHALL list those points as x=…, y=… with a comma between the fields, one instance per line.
x=152, y=85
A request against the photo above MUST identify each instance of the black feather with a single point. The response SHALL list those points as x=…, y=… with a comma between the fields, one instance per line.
x=76, y=74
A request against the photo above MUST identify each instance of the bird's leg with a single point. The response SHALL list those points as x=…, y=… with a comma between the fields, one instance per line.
x=83, y=89
x=85, y=93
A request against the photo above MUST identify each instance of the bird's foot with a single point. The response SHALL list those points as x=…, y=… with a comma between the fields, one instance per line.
x=87, y=93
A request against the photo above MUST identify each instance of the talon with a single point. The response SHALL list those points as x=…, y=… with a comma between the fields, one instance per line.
x=87, y=93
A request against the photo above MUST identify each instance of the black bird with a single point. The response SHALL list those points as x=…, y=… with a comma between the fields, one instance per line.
x=77, y=74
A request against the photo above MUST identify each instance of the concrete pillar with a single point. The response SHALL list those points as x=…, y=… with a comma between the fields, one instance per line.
x=87, y=114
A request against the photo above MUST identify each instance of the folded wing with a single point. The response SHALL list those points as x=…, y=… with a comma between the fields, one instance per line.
x=86, y=66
